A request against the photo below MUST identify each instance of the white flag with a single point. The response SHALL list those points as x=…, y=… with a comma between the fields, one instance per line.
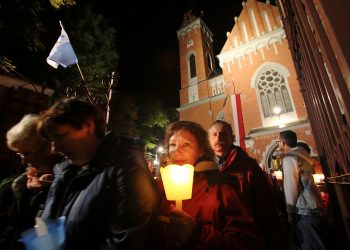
x=62, y=53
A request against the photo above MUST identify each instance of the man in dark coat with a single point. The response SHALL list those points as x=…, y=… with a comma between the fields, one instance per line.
x=252, y=183
x=104, y=189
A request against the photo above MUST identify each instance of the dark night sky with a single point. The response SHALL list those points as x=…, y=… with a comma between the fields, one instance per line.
x=147, y=41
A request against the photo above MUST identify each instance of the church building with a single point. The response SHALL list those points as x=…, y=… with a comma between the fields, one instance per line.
x=255, y=88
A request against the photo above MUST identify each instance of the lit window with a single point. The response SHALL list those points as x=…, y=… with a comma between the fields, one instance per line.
x=273, y=92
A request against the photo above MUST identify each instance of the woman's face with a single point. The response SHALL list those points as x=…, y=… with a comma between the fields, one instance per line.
x=37, y=155
x=183, y=148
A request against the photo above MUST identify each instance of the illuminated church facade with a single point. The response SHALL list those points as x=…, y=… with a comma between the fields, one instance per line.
x=256, y=87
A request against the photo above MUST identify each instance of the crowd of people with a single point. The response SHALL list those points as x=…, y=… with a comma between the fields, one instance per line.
x=112, y=197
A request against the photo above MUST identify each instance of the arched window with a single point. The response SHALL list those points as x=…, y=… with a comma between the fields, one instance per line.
x=210, y=63
x=273, y=93
x=193, y=66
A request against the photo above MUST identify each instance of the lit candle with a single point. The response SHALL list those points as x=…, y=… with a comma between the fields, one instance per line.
x=178, y=181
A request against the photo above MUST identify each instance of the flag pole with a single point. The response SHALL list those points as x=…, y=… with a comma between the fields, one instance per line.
x=81, y=73
x=109, y=97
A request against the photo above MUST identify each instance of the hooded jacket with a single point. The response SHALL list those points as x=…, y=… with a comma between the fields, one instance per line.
x=301, y=193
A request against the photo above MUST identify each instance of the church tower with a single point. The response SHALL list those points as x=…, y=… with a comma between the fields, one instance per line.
x=198, y=68
x=256, y=90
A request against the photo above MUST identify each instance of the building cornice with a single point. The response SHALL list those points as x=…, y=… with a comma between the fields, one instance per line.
x=200, y=102
x=265, y=40
x=198, y=23
x=276, y=129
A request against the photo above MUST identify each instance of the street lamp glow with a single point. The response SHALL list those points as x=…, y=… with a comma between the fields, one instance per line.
x=278, y=174
x=277, y=110
x=318, y=178
x=159, y=150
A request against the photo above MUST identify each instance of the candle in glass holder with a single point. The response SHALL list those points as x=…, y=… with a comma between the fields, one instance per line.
x=177, y=181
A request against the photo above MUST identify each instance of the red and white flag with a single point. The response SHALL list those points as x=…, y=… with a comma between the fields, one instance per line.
x=238, y=120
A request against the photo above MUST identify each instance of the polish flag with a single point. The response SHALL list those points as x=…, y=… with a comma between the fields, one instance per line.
x=238, y=120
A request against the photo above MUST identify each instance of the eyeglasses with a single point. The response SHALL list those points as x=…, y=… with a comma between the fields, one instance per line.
x=23, y=155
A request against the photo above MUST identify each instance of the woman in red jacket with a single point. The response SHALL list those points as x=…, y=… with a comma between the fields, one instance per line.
x=216, y=216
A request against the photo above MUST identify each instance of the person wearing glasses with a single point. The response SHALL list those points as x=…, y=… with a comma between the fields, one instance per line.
x=33, y=150
x=31, y=187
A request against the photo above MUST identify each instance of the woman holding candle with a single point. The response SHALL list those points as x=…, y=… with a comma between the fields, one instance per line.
x=215, y=217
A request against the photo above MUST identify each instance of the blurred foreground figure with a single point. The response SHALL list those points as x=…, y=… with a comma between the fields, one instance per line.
x=253, y=184
x=31, y=187
x=105, y=190
x=215, y=217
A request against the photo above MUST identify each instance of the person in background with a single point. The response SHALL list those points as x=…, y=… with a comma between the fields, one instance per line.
x=33, y=151
x=304, y=205
x=105, y=191
x=31, y=187
x=164, y=159
x=252, y=182
x=304, y=146
x=151, y=167
x=215, y=217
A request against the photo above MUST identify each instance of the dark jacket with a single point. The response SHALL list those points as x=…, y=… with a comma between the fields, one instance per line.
x=223, y=220
x=18, y=208
x=257, y=190
x=112, y=204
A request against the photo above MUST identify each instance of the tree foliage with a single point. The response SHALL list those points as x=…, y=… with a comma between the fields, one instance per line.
x=153, y=119
x=29, y=30
x=123, y=115
x=94, y=42
x=62, y=3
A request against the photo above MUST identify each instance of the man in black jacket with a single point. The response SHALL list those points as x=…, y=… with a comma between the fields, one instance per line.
x=104, y=189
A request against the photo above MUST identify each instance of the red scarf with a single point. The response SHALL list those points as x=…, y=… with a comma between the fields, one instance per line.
x=229, y=160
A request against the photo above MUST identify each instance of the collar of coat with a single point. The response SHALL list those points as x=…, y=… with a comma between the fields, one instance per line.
x=205, y=166
x=111, y=146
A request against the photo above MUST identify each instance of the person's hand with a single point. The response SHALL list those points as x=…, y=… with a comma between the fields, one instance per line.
x=35, y=182
x=182, y=225
x=32, y=178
